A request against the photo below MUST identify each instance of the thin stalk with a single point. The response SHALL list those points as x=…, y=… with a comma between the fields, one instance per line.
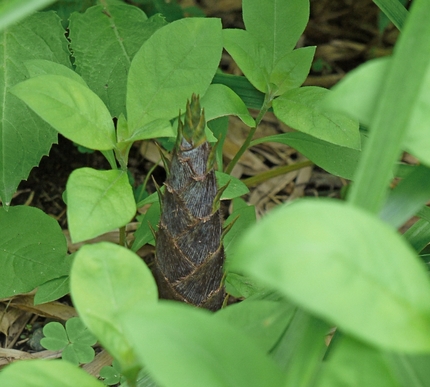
x=122, y=237
x=264, y=176
x=149, y=174
x=266, y=106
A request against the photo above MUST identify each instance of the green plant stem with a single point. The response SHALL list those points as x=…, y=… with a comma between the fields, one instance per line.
x=122, y=240
x=149, y=174
x=264, y=176
x=266, y=106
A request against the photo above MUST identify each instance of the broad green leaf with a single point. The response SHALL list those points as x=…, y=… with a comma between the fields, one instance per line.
x=37, y=67
x=104, y=41
x=263, y=320
x=235, y=187
x=344, y=266
x=277, y=25
x=335, y=159
x=42, y=373
x=355, y=364
x=24, y=137
x=98, y=202
x=292, y=69
x=249, y=55
x=197, y=349
x=220, y=101
x=299, y=109
x=12, y=11
x=176, y=61
x=71, y=108
x=32, y=250
x=107, y=279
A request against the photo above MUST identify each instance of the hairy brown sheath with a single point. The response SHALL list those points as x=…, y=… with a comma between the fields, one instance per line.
x=189, y=254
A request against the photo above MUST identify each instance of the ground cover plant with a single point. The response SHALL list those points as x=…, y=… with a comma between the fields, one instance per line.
x=305, y=268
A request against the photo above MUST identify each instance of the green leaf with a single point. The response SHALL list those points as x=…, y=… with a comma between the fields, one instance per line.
x=395, y=11
x=299, y=109
x=216, y=354
x=154, y=129
x=75, y=339
x=52, y=290
x=411, y=370
x=240, y=286
x=37, y=67
x=104, y=41
x=98, y=202
x=263, y=320
x=71, y=108
x=411, y=194
x=301, y=349
x=277, y=25
x=358, y=93
x=344, y=266
x=78, y=354
x=148, y=222
x=42, y=373
x=105, y=280
x=242, y=87
x=24, y=137
x=176, y=61
x=249, y=55
x=220, y=101
x=335, y=159
x=401, y=96
x=292, y=69
x=78, y=332
x=112, y=375
x=55, y=336
x=32, y=250
x=65, y=8
x=355, y=364
x=12, y=11
x=243, y=217
x=235, y=187
x=418, y=235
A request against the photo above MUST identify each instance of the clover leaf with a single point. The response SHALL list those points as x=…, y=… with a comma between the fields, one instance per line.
x=74, y=339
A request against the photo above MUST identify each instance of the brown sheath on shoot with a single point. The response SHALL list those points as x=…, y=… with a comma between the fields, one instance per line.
x=189, y=253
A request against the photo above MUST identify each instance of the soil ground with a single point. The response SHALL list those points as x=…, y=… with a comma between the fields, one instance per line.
x=346, y=34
